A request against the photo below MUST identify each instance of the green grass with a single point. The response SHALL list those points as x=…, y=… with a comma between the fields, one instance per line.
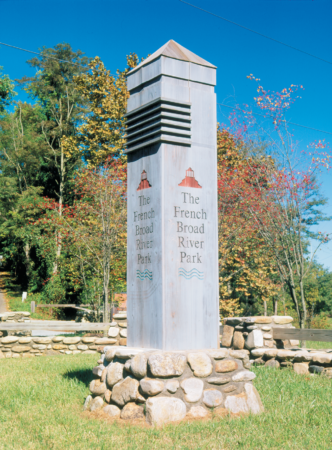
x=319, y=345
x=41, y=408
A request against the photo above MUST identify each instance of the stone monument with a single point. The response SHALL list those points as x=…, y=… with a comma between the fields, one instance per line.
x=173, y=364
x=172, y=267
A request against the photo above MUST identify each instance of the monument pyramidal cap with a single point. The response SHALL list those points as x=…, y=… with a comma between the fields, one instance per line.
x=174, y=50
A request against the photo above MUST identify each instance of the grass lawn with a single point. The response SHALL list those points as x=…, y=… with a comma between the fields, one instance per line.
x=41, y=408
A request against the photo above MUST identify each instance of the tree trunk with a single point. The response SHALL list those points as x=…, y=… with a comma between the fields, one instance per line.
x=265, y=308
x=27, y=263
x=275, y=307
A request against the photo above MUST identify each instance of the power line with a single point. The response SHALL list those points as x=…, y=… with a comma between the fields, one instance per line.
x=268, y=115
x=47, y=56
x=256, y=32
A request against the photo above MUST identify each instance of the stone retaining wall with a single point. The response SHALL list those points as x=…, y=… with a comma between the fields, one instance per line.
x=16, y=343
x=255, y=332
x=15, y=316
x=131, y=383
x=301, y=361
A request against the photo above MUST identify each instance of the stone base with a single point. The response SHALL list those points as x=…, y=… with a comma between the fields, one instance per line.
x=172, y=385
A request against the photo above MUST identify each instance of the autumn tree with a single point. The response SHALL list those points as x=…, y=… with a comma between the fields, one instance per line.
x=102, y=132
x=246, y=270
x=287, y=201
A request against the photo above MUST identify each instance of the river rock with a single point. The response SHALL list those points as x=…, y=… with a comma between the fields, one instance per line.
x=105, y=341
x=239, y=354
x=267, y=336
x=25, y=340
x=113, y=332
x=273, y=363
x=265, y=328
x=151, y=387
x=193, y=389
x=227, y=336
x=327, y=372
x=226, y=366
x=82, y=347
x=254, y=339
x=229, y=388
x=244, y=375
x=233, y=321
x=238, y=340
x=281, y=320
x=313, y=369
x=212, y=398
x=58, y=339
x=200, y=364
x=98, y=370
x=132, y=411
x=21, y=348
x=44, y=340
x=285, y=355
x=59, y=347
x=125, y=391
x=172, y=386
x=123, y=333
x=219, y=380
x=253, y=399
x=270, y=353
x=97, y=387
x=9, y=340
x=87, y=403
x=114, y=373
x=160, y=410
x=97, y=403
x=109, y=354
x=301, y=368
x=107, y=396
x=237, y=404
x=167, y=364
x=197, y=412
x=112, y=411
x=262, y=319
x=71, y=340
x=258, y=352
x=88, y=340
x=127, y=353
x=139, y=365
x=320, y=359
x=218, y=354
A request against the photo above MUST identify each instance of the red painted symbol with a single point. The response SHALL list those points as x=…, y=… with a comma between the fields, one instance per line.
x=190, y=180
x=144, y=184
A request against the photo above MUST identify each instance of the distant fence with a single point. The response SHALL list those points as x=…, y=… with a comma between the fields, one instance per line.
x=54, y=305
x=302, y=334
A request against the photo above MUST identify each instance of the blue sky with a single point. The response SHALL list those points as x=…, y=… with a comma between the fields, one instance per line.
x=112, y=29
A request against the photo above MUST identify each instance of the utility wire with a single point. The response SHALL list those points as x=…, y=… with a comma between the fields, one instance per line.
x=268, y=115
x=47, y=56
x=256, y=32
x=70, y=62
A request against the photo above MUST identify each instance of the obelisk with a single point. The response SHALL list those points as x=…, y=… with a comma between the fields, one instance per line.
x=172, y=266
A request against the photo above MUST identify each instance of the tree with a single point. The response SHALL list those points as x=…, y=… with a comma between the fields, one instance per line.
x=93, y=229
x=7, y=92
x=102, y=132
x=287, y=203
x=246, y=272
x=56, y=93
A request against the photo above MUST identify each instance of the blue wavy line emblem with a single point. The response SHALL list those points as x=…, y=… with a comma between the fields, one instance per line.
x=189, y=274
x=145, y=274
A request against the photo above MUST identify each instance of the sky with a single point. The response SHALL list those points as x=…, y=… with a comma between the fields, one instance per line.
x=111, y=29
